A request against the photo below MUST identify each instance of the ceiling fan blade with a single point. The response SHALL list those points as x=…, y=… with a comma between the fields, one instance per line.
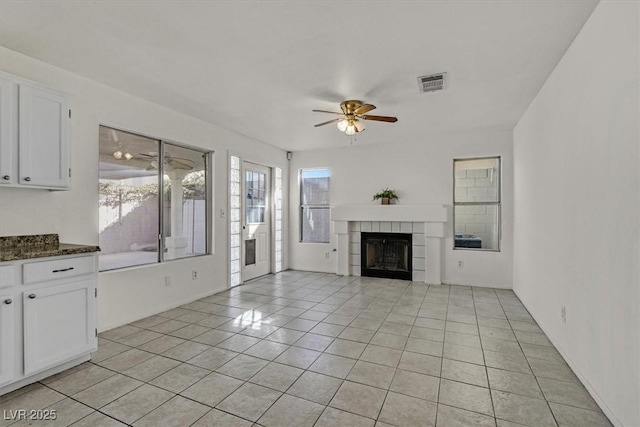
x=173, y=161
x=364, y=109
x=325, y=111
x=327, y=122
x=379, y=118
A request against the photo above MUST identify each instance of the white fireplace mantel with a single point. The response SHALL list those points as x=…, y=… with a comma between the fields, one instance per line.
x=412, y=213
x=433, y=218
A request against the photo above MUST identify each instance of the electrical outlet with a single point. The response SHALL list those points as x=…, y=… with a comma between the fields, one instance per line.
x=327, y=255
x=194, y=275
x=460, y=264
x=563, y=314
x=167, y=280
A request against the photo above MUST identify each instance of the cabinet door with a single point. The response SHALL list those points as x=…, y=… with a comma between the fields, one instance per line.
x=59, y=324
x=8, y=130
x=7, y=337
x=44, y=138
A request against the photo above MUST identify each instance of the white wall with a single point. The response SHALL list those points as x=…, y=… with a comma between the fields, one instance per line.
x=130, y=294
x=576, y=208
x=422, y=173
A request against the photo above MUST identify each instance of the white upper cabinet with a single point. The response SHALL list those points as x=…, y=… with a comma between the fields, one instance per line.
x=44, y=138
x=8, y=131
x=34, y=146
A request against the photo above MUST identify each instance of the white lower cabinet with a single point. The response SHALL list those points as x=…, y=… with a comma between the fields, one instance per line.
x=7, y=336
x=49, y=325
x=59, y=324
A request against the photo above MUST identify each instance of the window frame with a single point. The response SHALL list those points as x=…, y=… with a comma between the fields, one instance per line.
x=302, y=205
x=208, y=226
x=497, y=203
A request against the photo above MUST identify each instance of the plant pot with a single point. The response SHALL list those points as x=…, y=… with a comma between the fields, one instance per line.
x=385, y=201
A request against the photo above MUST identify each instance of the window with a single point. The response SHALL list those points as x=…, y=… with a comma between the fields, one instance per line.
x=256, y=202
x=150, y=210
x=277, y=195
x=476, y=203
x=314, y=205
x=234, y=220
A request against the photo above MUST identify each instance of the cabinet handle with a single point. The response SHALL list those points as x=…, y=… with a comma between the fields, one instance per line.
x=32, y=296
x=6, y=177
x=26, y=178
x=8, y=301
x=62, y=269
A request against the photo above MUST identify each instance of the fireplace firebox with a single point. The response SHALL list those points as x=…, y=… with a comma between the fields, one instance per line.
x=386, y=255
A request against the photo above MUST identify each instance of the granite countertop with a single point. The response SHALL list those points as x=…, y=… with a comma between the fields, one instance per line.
x=16, y=248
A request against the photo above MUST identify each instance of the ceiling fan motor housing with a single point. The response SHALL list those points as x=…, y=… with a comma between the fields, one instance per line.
x=348, y=107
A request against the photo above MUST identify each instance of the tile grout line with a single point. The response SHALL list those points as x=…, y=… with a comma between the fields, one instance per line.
x=484, y=360
x=446, y=315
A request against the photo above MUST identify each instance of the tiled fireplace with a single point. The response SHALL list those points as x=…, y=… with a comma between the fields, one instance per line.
x=424, y=225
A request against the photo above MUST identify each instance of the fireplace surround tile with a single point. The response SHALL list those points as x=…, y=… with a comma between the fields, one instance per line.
x=406, y=227
x=426, y=224
x=418, y=263
x=419, y=251
x=418, y=227
x=418, y=244
x=419, y=276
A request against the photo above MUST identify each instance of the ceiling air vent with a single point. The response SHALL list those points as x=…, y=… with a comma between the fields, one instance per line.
x=432, y=83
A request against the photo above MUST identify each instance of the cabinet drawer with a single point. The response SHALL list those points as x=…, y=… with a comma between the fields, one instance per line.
x=57, y=269
x=6, y=276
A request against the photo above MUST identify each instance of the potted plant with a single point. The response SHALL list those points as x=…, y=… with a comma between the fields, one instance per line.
x=386, y=195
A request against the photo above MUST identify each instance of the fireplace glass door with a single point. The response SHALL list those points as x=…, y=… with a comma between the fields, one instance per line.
x=386, y=255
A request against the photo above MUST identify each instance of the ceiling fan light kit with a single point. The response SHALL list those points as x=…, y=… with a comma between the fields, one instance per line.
x=119, y=155
x=350, y=127
x=352, y=116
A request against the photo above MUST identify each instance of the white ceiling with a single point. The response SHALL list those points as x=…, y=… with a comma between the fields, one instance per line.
x=260, y=67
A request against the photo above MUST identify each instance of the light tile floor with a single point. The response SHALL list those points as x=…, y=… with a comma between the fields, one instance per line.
x=307, y=349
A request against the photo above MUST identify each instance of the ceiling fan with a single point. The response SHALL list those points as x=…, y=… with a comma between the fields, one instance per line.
x=172, y=162
x=353, y=112
x=118, y=154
